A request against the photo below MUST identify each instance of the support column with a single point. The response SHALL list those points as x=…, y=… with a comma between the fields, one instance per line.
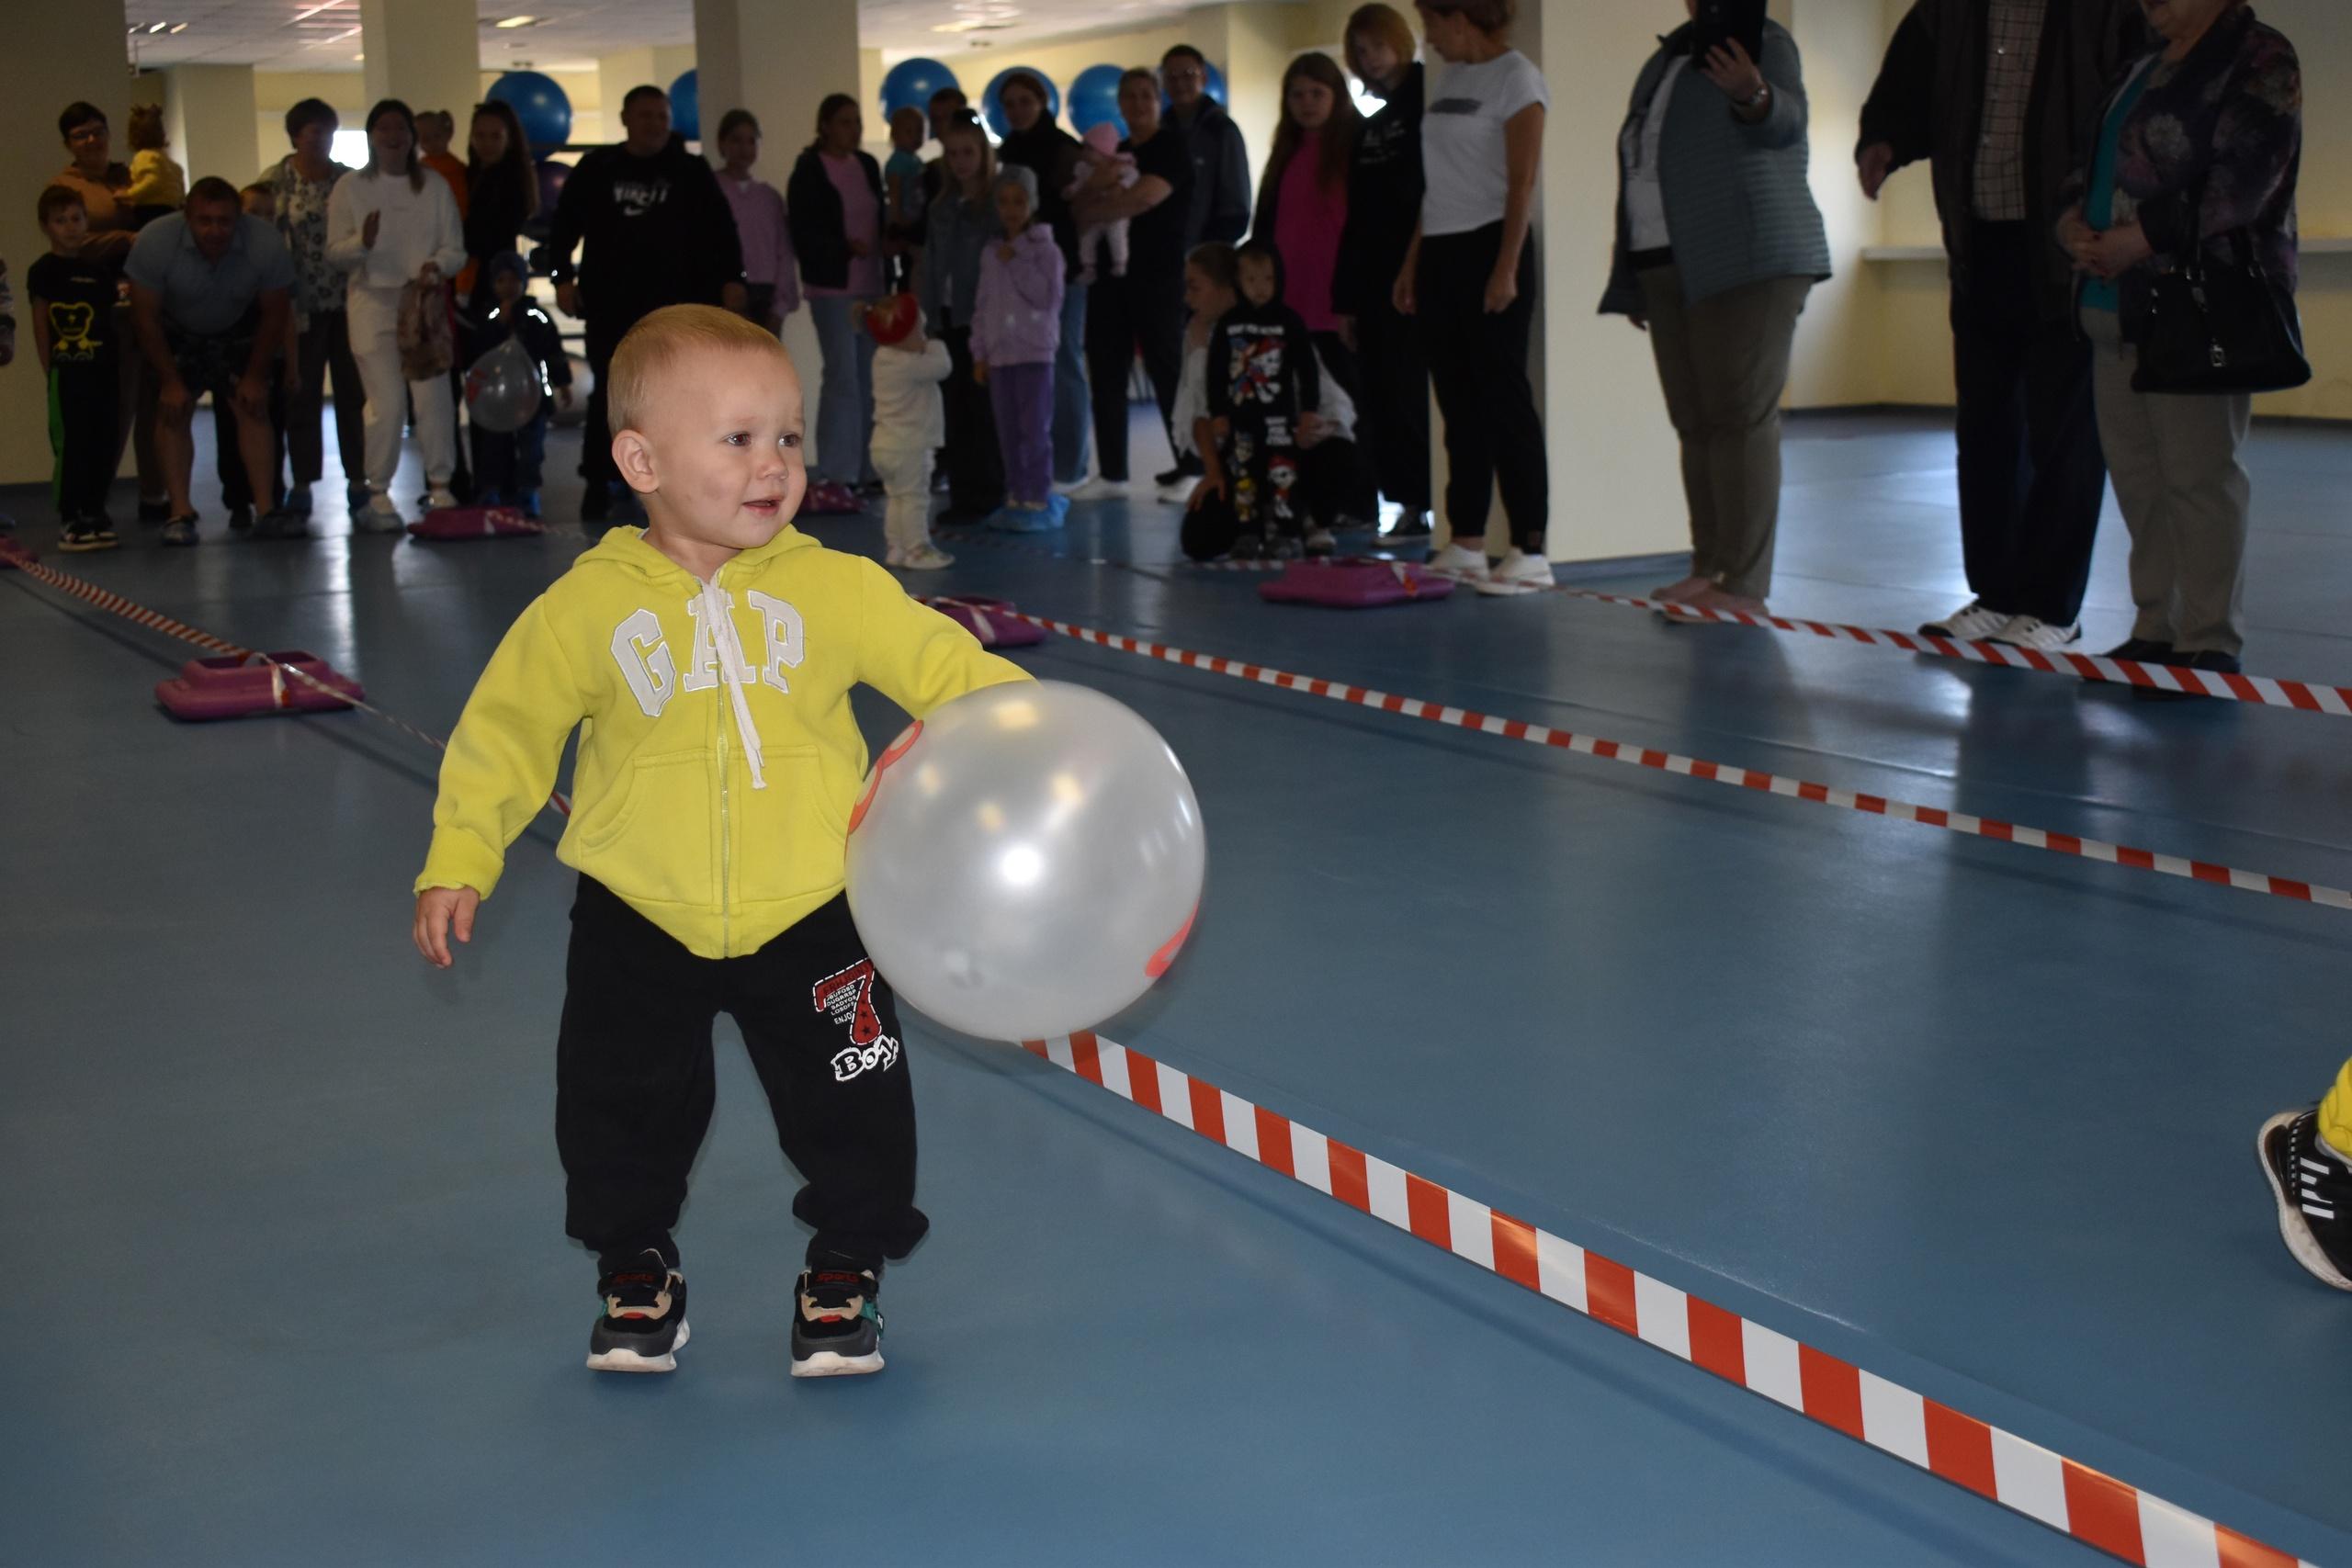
x=427, y=53
x=779, y=59
x=80, y=53
x=208, y=113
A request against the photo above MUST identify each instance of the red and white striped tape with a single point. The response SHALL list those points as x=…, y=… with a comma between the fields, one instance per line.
x=2071, y=1498
x=1717, y=773
x=155, y=620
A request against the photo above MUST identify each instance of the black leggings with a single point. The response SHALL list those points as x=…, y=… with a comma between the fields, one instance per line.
x=1478, y=364
x=1140, y=311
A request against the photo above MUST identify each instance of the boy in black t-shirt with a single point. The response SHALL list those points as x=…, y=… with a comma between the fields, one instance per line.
x=72, y=291
x=1261, y=377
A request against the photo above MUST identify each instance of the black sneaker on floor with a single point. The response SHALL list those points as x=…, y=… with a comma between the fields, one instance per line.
x=2315, y=1193
x=2212, y=661
x=837, y=1325
x=1411, y=526
x=82, y=534
x=2143, y=650
x=282, y=523
x=240, y=520
x=1188, y=466
x=645, y=1319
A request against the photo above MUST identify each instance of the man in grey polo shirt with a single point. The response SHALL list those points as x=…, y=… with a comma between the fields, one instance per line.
x=209, y=294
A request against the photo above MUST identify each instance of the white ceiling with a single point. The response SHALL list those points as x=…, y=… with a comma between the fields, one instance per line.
x=304, y=35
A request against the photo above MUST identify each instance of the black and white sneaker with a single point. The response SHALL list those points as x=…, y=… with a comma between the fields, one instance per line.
x=2313, y=1187
x=837, y=1327
x=645, y=1319
x=1972, y=622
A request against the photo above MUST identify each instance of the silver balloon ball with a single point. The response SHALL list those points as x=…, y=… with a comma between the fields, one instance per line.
x=503, y=388
x=1025, y=861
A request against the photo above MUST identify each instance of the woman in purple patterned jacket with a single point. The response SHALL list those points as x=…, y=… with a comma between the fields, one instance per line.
x=2217, y=108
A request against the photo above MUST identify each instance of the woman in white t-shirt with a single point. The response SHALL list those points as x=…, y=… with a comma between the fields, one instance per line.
x=1470, y=278
x=390, y=226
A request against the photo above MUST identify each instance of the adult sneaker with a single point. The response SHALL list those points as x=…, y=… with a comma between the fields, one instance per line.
x=240, y=520
x=1410, y=527
x=645, y=1318
x=1518, y=574
x=1461, y=563
x=79, y=536
x=1179, y=491
x=1972, y=622
x=1096, y=489
x=837, y=1326
x=925, y=557
x=2313, y=1186
x=180, y=530
x=2032, y=631
x=282, y=522
x=1188, y=468
x=2142, y=650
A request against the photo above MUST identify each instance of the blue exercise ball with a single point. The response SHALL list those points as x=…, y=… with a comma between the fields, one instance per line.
x=992, y=99
x=685, y=106
x=1215, y=89
x=1094, y=97
x=540, y=103
x=913, y=83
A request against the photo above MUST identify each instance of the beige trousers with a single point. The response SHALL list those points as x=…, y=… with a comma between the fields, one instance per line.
x=1723, y=363
x=2174, y=459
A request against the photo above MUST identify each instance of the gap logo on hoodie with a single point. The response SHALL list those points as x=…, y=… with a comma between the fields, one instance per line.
x=646, y=663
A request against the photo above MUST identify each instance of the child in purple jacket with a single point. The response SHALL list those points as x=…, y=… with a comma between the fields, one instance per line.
x=1016, y=327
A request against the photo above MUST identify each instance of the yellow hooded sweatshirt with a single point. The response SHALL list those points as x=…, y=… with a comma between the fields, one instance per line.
x=719, y=760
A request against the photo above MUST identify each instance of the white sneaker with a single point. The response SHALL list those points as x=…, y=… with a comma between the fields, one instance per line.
x=1518, y=573
x=1972, y=622
x=925, y=557
x=1095, y=488
x=380, y=516
x=1179, y=493
x=1461, y=563
x=436, y=500
x=2025, y=631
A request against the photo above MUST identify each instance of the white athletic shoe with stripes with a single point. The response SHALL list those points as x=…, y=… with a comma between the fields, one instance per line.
x=1972, y=622
x=2029, y=631
x=1518, y=572
x=1461, y=563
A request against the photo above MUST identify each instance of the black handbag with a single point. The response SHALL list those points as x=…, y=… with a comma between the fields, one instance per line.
x=2220, y=326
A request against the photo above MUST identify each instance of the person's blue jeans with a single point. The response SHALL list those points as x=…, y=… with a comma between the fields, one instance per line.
x=1073, y=406
x=845, y=401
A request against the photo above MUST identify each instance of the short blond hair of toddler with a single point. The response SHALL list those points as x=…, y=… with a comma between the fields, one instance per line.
x=653, y=348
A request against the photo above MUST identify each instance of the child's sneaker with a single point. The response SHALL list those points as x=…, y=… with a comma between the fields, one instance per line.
x=81, y=534
x=2313, y=1187
x=837, y=1329
x=645, y=1319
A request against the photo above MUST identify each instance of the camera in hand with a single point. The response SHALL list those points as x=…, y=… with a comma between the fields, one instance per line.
x=1719, y=21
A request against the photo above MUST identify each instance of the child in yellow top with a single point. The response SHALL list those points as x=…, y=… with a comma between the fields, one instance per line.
x=706, y=660
x=158, y=185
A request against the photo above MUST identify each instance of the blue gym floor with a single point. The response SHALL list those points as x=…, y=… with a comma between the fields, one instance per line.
x=283, y=1218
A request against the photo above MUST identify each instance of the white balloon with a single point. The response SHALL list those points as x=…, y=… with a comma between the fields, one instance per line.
x=1026, y=862
x=503, y=388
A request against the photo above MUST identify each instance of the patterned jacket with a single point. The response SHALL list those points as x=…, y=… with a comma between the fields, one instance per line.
x=2230, y=116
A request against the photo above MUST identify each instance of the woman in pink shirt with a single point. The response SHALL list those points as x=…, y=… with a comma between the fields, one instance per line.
x=835, y=205
x=1303, y=209
x=769, y=267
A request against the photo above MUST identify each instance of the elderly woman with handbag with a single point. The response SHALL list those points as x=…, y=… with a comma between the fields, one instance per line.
x=2185, y=239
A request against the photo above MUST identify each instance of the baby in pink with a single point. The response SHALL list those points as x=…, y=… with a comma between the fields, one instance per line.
x=1102, y=149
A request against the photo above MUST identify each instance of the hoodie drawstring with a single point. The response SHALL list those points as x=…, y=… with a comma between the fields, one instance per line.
x=735, y=671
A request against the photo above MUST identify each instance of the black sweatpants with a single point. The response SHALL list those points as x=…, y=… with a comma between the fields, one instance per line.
x=634, y=1080
x=1478, y=364
x=325, y=345
x=974, y=467
x=2031, y=474
x=1393, y=412
x=85, y=402
x=1142, y=312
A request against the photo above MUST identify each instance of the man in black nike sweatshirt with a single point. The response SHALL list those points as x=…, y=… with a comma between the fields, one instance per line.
x=658, y=232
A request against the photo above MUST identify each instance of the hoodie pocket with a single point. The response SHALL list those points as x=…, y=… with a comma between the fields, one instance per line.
x=788, y=838
x=654, y=839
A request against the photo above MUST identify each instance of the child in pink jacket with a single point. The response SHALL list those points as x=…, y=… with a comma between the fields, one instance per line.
x=1016, y=327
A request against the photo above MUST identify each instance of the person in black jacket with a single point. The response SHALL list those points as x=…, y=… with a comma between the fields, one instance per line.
x=1263, y=379
x=1220, y=157
x=657, y=231
x=1143, y=308
x=832, y=205
x=1051, y=153
x=2000, y=97
x=1383, y=204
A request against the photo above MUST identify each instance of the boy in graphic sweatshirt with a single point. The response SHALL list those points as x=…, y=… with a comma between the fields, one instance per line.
x=708, y=661
x=1261, y=377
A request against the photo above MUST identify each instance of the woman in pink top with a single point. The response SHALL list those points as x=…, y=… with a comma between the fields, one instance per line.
x=770, y=271
x=833, y=204
x=1302, y=210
